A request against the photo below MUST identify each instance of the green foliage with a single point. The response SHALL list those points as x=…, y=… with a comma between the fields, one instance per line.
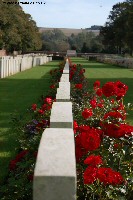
x=86, y=42
x=118, y=31
x=18, y=30
x=54, y=40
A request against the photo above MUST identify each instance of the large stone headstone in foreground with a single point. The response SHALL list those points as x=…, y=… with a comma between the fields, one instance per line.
x=55, y=171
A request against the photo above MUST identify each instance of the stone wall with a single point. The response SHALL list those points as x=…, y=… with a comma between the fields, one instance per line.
x=116, y=60
x=112, y=59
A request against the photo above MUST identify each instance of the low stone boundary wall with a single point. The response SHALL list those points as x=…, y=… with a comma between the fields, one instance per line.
x=113, y=59
x=55, y=170
x=116, y=60
x=10, y=65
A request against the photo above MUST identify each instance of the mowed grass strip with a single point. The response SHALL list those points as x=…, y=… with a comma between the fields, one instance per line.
x=17, y=93
x=107, y=72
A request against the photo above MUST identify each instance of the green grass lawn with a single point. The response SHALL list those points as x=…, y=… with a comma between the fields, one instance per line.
x=17, y=93
x=106, y=72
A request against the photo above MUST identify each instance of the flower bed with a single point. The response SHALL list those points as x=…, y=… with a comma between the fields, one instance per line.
x=103, y=138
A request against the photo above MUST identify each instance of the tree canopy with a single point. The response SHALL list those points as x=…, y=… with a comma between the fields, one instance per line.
x=55, y=40
x=18, y=31
x=117, y=33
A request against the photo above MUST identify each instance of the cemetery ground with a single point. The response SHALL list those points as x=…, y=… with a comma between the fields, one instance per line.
x=19, y=92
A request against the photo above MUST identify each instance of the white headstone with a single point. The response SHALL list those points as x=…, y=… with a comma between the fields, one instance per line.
x=55, y=171
x=61, y=115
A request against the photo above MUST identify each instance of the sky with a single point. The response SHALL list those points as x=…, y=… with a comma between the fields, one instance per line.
x=69, y=13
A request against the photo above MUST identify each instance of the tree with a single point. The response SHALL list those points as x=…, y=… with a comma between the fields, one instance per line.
x=18, y=30
x=86, y=42
x=118, y=32
x=84, y=48
x=54, y=40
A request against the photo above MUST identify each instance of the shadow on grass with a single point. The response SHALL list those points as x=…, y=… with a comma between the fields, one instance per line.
x=19, y=92
x=8, y=144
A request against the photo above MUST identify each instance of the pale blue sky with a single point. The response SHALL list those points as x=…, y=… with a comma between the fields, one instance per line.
x=69, y=13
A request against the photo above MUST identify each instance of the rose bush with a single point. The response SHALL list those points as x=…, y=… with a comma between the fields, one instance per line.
x=103, y=139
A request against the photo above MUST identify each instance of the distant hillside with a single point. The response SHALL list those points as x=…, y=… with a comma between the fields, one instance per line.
x=69, y=31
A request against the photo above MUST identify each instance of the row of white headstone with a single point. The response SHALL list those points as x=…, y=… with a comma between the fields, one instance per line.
x=10, y=65
x=55, y=170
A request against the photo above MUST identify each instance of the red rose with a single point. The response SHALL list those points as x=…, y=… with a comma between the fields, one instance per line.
x=110, y=129
x=109, y=89
x=100, y=105
x=87, y=113
x=96, y=84
x=84, y=128
x=21, y=155
x=93, y=160
x=49, y=107
x=90, y=140
x=79, y=86
x=12, y=164
x=117, y=130
x=48, y=100
x=75, y=126
x=18, y=158
x=113, y=114
x=41, y=111
x=104, y=175
x=125, y=130
x=79, y=150
x=90, y=175
x=99, y=92
x=93, y=103
x=44, y=107
x=74, y=66
x=82, y=71
x=52, y=86
x=34, y=107
x=121, y=89
x=117, y=145
x=117, y=178
x=109, y=177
